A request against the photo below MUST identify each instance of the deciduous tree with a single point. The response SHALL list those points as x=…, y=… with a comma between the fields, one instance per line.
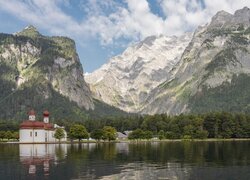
x=97, y=134
x=59, y=134
x=161, y=135
x=79, y=132
x=109, y=133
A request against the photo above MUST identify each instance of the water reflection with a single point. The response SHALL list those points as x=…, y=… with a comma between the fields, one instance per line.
x=162, y=160
x=34, y=156
x=150, y=171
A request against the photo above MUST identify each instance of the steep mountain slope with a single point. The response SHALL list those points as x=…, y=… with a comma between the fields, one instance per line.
x=126, y=80
x=213, y=72
x=43, y=73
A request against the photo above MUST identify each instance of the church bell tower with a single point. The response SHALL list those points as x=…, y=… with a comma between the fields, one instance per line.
x=32, y=115
x=46, y=116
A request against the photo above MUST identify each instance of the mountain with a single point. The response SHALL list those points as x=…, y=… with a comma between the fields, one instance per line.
x=208, y=71
x=43, y=73
x=127, y=79
x=214, y=70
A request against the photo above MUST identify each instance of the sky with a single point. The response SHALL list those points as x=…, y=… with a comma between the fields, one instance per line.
x=105, y=28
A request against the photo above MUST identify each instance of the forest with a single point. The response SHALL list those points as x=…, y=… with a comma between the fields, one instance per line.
x=190, y=126
x=209, y=125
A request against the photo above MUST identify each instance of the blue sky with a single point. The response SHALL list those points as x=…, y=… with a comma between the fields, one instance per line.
x=104, y=28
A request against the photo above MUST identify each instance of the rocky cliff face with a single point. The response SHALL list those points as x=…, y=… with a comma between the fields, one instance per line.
x=127, y=80
x=216, y=59
x=37, y=70
x=208, y=72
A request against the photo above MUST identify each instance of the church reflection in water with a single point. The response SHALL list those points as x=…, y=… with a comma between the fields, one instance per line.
x=34, y=156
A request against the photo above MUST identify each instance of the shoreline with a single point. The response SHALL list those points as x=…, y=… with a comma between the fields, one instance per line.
x=135, y=141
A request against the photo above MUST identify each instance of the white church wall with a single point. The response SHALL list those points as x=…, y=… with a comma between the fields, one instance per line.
x=31, y=135
x=24, y=136
x=39, y=135
x=51, y=136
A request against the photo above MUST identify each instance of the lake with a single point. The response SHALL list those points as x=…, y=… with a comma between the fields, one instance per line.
x=144, y=160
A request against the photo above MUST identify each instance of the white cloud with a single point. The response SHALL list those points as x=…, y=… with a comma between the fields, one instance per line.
x=42, y=13
x=136, y=21
x=110, y=20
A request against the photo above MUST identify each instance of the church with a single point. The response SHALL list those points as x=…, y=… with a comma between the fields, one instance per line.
x=32, y=131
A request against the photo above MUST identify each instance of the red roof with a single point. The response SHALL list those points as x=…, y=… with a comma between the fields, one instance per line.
x=36, y=160
x=48, y=126
x=35, y=125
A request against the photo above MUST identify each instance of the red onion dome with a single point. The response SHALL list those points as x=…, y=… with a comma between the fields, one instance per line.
x=46, y=113
x=32, y=112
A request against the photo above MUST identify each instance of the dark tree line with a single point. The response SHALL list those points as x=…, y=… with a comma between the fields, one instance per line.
x=209, y=125
x=79, y=132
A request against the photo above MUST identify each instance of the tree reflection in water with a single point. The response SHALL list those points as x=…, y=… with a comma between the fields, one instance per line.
x=142, y=160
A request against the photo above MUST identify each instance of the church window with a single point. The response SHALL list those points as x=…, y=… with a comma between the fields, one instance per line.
x=30, y=133
x=35, y=133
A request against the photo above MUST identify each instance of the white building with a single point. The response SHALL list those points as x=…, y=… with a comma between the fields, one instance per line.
x=121, y=136
x=32, y=131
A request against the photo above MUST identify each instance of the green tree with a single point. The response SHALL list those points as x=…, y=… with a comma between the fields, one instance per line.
x=151, y=122
x=8, y=135
x=201, y=134
x=2, y=135
x=189, y=130
x=161, y=135
x=15, y=135
x=211, y=125
x=140, y=134
x=59, y=134
x=170, y=135
x=147, y=135
x=109, y=133
x=136, y=134
x=97, y=134
x=226, y=125
x=79, y=132
x=241, y=126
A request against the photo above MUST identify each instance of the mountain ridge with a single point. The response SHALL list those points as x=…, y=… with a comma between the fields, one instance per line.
x=142, y=66
x=216, y=53
x=213, y=57
x=44, y=72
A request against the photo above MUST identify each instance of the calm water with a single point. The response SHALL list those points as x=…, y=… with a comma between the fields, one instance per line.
x=165, y=160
